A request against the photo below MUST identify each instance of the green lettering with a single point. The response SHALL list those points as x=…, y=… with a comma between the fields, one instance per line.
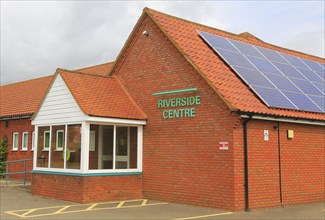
x=192, y=112
x=165, y=114
x=184, y=101
x=167, y=103
x=181, y=111
x=187, y=112
x=176, y=113
x=170, y=114
x=178, y=100
x=197, y=100
x=173, y=102
x=192, y=100
x=160, y=104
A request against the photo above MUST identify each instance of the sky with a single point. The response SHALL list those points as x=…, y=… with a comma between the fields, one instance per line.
x=37, y=37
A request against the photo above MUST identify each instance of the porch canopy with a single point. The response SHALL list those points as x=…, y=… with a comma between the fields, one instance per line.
x=87, y=124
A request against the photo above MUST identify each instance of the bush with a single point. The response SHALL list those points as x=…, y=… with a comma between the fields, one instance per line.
x=3, y=154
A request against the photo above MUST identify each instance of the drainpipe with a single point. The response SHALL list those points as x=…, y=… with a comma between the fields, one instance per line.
x=246, y=163
x=279, y=153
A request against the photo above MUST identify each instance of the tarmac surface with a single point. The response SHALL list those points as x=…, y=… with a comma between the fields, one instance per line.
x=18, y=203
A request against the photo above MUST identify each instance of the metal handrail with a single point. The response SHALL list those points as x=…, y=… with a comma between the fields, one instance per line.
x=16, y=161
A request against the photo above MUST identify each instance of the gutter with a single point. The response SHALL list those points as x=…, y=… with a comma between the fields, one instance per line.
x=246, y=163
x=290, y=120
x=5, y=118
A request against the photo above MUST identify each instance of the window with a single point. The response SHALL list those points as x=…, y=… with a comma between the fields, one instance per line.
x=24, y=144
x=59, y=140
x=116, y=148
x=46, y=144
x=59, y=146
x=15, y=138
x=33, y=140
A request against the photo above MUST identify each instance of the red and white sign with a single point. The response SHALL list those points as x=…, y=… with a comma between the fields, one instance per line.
x=223, y=146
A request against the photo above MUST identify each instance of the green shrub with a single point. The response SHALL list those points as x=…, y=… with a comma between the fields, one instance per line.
x=3, y=154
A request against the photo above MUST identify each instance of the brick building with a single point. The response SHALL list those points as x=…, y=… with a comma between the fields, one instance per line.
x=173, y=121
x=18, y=102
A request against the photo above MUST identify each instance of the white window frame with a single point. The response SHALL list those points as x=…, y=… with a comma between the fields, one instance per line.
x=85, y=133
x=139, y=150
x=23, y=141
x=14, y=141
x=57, y=140
x=46, y=148
x=33, y=140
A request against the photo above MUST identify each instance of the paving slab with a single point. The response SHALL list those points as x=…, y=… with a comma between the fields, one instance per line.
x=18, y=203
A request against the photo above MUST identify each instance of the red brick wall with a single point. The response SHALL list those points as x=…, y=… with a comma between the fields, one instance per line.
x=181, y=160
x=87, y=189
x=302, y=164
x=20, y=126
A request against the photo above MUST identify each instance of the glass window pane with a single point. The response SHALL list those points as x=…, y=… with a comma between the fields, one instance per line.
x=102, y=155
x=122, y=148
x=93, y=147
x=42, y=153
x=73, y=149
x=133, y=147
x=25, y=141
x=57, y=143
x=15, y=138
x=33, y=140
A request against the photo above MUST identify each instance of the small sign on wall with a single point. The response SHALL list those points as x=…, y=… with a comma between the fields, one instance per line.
x=224, y=145
x=266, y=135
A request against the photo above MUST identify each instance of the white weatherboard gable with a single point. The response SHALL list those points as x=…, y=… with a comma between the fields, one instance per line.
x=59, y=106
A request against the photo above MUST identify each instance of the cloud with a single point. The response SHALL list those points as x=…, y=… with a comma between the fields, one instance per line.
x=37, y=37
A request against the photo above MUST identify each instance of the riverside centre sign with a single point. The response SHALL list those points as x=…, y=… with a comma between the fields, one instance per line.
x=185, y=107
x=179, y=107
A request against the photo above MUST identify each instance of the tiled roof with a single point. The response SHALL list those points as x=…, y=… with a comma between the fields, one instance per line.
x=227, y=84
x=99, y=70
x=101, y=96
x=23, y=98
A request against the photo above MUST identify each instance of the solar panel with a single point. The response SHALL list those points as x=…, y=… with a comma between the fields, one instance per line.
x=253, y=77
x=282, y=82
x=264, y=65
x=246, y=49
x=234, y=59
x=306, y=87
x=278, y=79
x=295, y=61
x=288, y=70
x=320, y=86
x=273, y=97
x=218, y=42
x=322, y=75
x=313, y=65
x=271, y=55
x=322, y=64
x=310, y=75
x=319, y=100
x=302, y=101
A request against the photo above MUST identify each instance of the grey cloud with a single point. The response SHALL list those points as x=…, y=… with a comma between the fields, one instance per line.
x=37, y=37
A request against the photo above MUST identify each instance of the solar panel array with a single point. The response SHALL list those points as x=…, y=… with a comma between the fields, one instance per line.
x=278, y=79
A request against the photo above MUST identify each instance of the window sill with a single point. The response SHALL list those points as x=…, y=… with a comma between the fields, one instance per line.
x=14, y=150
x=58, y=150
x=45, y=150
x=24, y=150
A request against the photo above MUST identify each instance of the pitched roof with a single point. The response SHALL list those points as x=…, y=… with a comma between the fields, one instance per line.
x=99, y=70
x=183, y=34
x=101, y=96
x=22, y=98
